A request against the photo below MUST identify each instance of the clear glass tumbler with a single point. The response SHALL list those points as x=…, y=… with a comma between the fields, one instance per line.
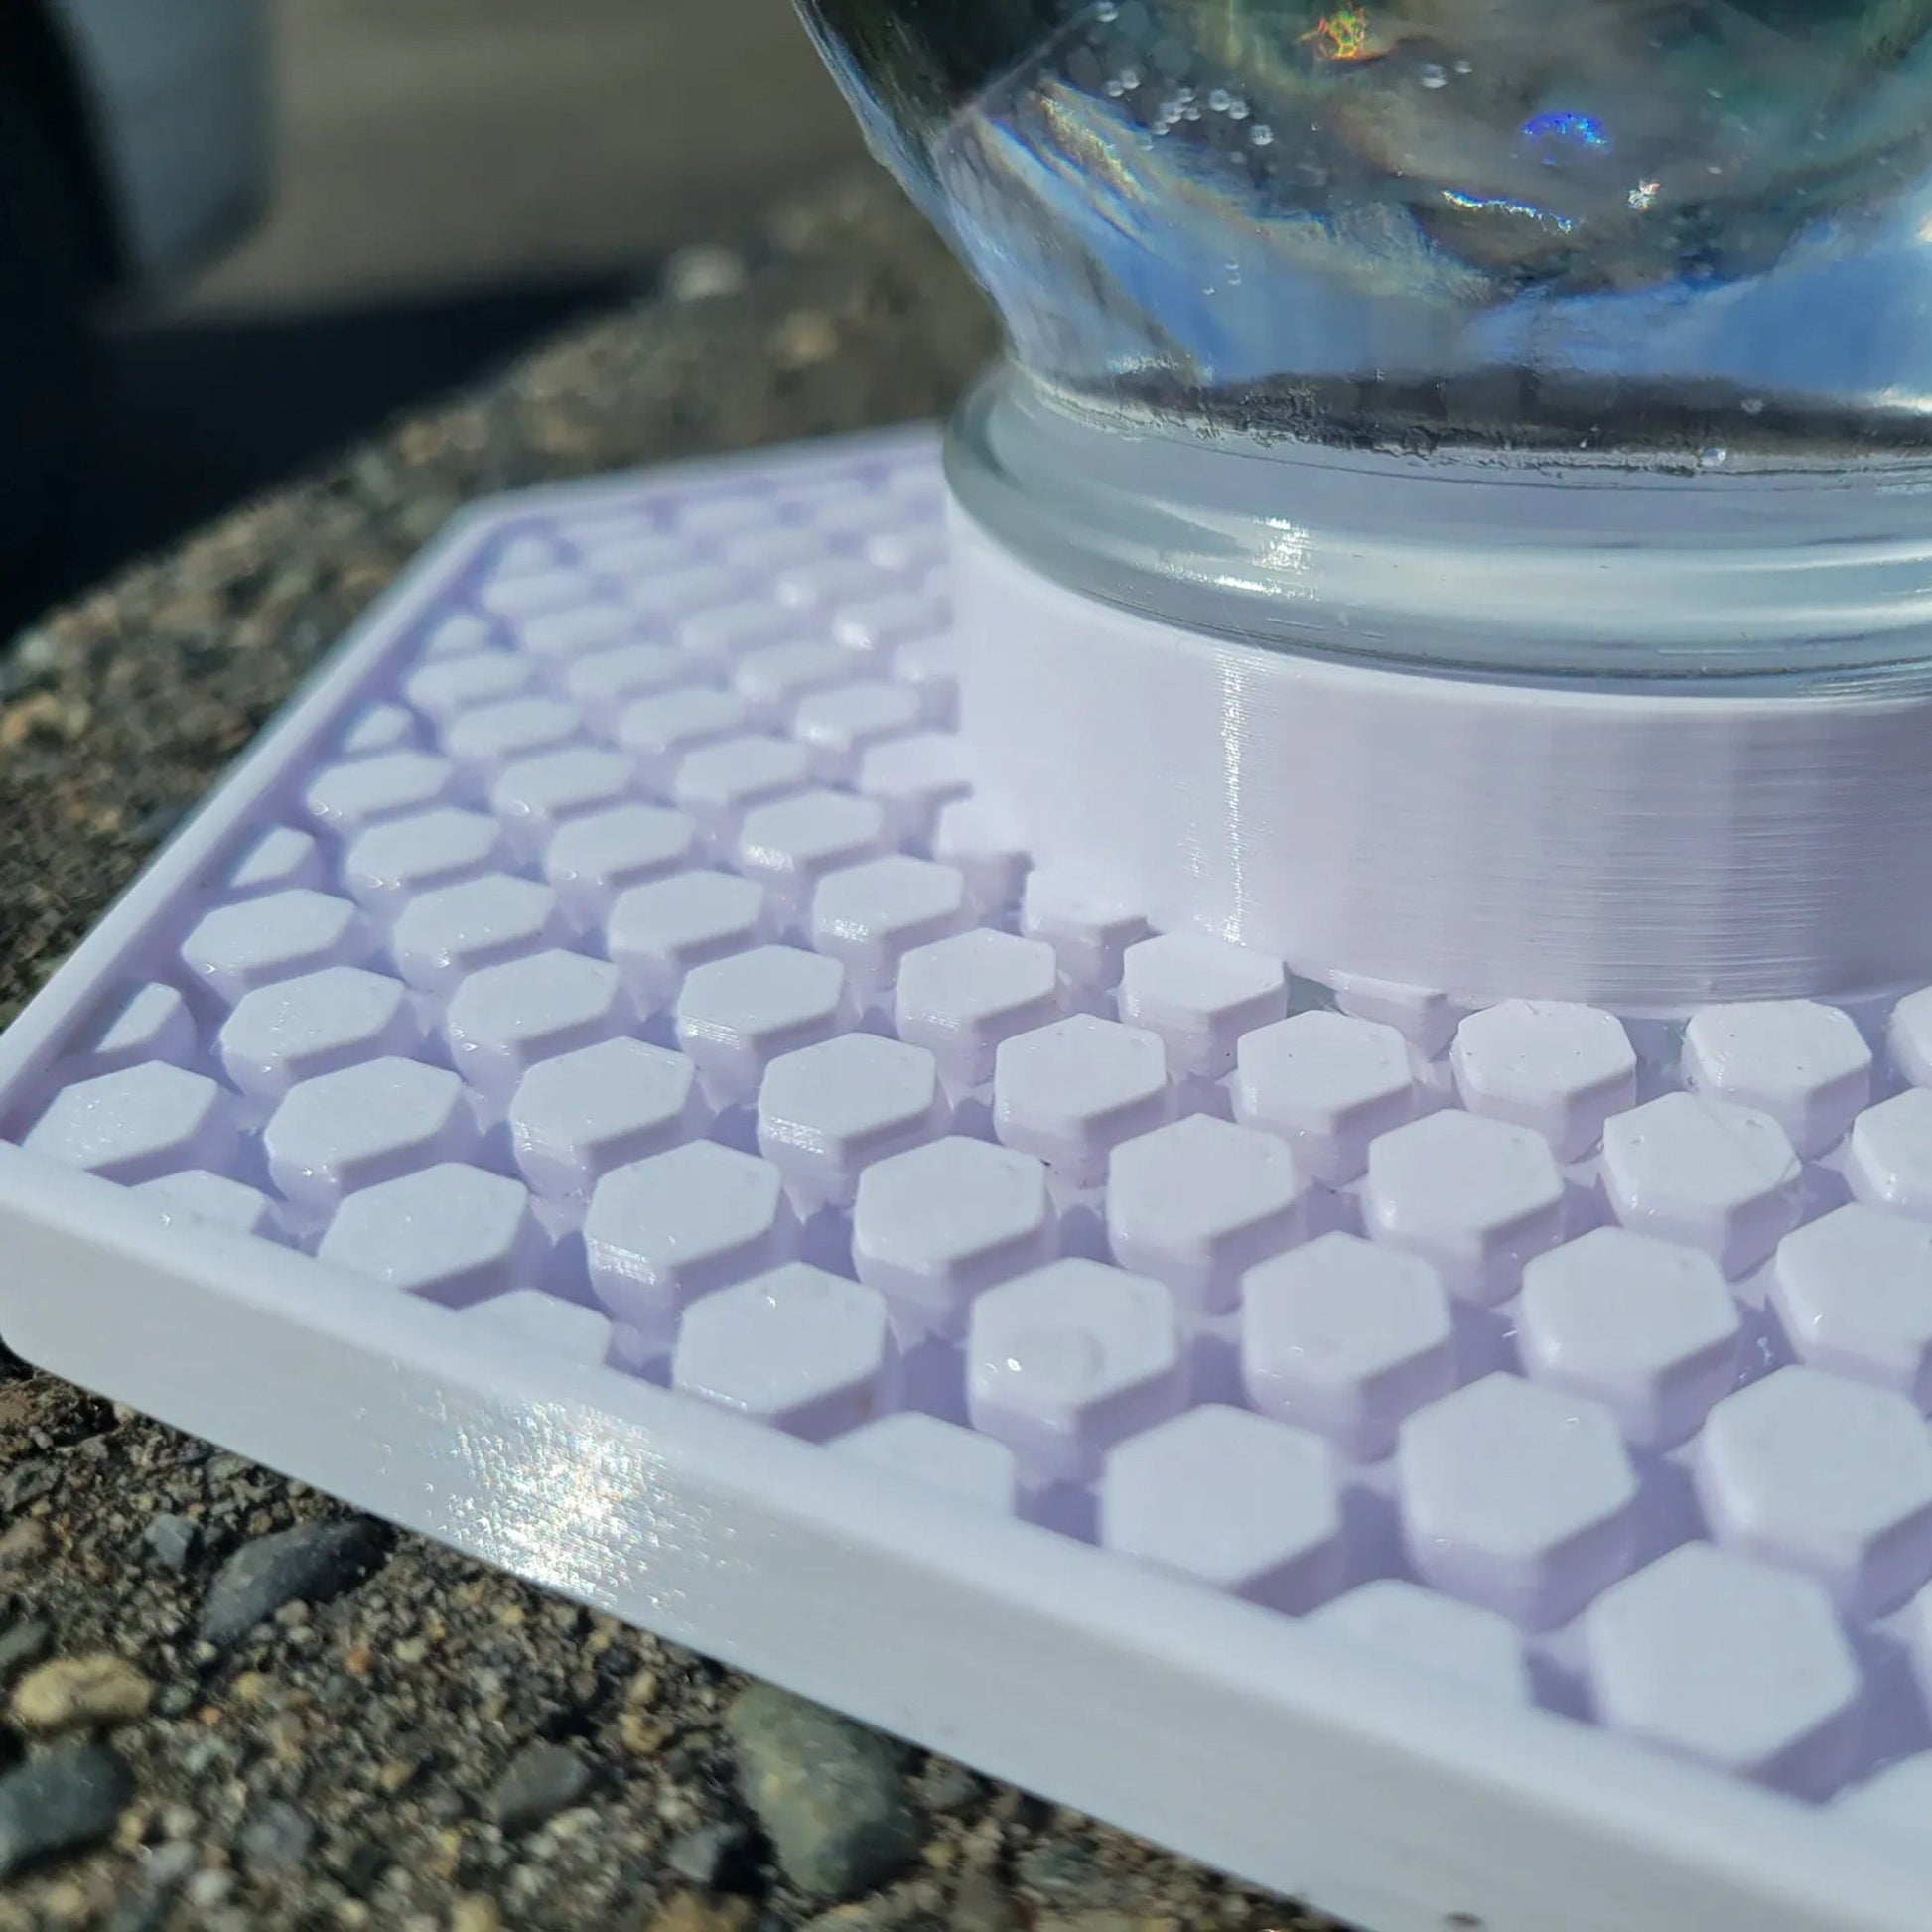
x=1409, y=332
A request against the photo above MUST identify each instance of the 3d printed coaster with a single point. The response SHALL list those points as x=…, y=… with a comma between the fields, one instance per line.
x=596, y=1086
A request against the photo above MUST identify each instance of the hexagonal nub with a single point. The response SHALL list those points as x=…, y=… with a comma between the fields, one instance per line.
x=1518, y=1498
x=1910, y=1036
x=1646, y=1327
x=452, y=1234
x=442, y=689
x=1088, y=926
x=275, y=937
x=913, y=778
x=590, y=860
x=1725, y=1661
x=1327, y=1084
x=280, y=858
x=1475, y=1197
x=346, y=797
x=941, y=1456
x=152, y=1023
x=531, y=1318
x=1231, y=1499
x=606, y=680
x=1826, y=1476
x=1424, y=1016
x=658, y=931
x=983, y=841
x=798, y=1348
x=462, y=928
x=838, y=725
x=939, y=1224
x=1889, y=1160
x=491, y=735
x=1068, y=1360
x=401, y=856
x=735, y=1016
x=1451, y=1643
x=827, y=1112
x=773, y=678
x=961, y=997
x=575, y=1116
x=1805, y=1064
x=133, y=1124
x=1198, y=1203
x=791, y=844
x=294, y=1030
x=1345, y=1337
x=719, y=783
x=1200, y=995
x=364, y=1124
x=872, y=915
x=1073, y=1092
x=658, y=730
x=1561, y=1069
x=663, y=1231
x=198, y=1196
x=504, y=1019
x=533, y=796
x=1712, y=1176
x=1853, y=1290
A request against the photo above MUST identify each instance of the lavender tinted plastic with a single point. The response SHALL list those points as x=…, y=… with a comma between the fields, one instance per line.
x=1062, y=1213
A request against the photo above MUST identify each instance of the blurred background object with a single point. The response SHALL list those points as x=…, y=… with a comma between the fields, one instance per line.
x=133, y=142
x=451, y=179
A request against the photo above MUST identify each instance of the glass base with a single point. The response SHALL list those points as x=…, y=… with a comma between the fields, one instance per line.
x=1613, y=569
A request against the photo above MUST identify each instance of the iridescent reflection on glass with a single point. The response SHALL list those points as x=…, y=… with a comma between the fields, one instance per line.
x=1626, y=223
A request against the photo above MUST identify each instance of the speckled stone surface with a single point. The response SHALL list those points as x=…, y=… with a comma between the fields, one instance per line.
x=410, y=1741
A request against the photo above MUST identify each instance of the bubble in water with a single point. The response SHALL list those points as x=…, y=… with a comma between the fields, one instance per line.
x=1183, y=96
x=1752, y=405
x=1432, y=76
x=1237, y=109
x=1112, y=88
x=1466, y=66
x=1220, y=101
x=1194, y=113
x=1107, y=12
x=1261, y=135
x=1713, y=458
x=1130, y=80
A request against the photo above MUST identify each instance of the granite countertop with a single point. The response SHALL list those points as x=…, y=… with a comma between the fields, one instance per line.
x=228, y=1705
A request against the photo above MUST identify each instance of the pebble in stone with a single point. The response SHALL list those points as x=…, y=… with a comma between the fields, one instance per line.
x=829, y=1793
x=1059, y=1870
x=60, y=1802
x=75, y=1692
x=314, y=1563
x=171, y=1541
x=275, y=1839
x=945, y=1787
x=981, y=1904
x=689, y=1913
x=542, y=1780
x=24, y=1483
x=709, y=1855
x=161, y=1874
x=1106, y=1921
x=21, y=1644
x=26, y=1541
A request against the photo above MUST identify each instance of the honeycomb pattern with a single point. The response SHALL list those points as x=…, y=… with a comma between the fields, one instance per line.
x=631, y=972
